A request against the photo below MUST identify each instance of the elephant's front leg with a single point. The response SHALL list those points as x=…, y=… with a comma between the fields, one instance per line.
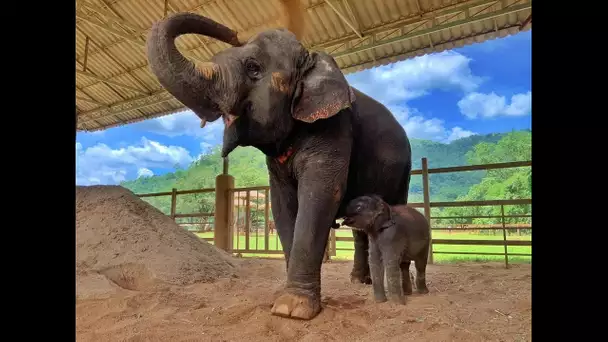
x=318, y=201
x=377, y=272
x=360, y=271
x=392, y=265
x=284, y=200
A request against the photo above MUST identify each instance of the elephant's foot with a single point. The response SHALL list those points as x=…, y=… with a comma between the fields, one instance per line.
x=422, y=290
x=357, y=279
x=421, y=287
x=296, y=306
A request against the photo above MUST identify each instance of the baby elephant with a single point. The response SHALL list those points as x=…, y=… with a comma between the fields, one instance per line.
x=397, y=235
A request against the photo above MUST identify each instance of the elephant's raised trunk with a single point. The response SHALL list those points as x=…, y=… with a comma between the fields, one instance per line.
x=197, y=86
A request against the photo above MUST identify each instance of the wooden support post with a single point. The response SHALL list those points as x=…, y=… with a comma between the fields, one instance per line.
x=266, y=217
x=427, y=204
x=504, y=234
x=224, y=200
x=173, y=203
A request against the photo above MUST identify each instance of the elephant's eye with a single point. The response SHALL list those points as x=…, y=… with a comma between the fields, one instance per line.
x=253, y=68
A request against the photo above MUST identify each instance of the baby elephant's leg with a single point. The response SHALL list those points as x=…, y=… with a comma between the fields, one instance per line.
x=420, y=265
x=393, y=275
x=406, y=282
x=376, y=270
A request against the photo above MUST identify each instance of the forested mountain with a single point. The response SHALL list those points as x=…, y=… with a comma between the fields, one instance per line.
x=248, y=166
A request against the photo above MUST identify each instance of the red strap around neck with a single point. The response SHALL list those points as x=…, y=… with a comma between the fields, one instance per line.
x=283, y=158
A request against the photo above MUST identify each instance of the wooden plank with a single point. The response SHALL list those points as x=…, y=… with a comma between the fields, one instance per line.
x=260, y=251
x=481, y=167
x=482, y=242
x=467, y=253
x=181, y=192
x=486, y=226
x=195, y=191
x=483, y=253
x=476, y=167
x=156, y=194
x=194, y=215
x=482, y=228
x=253, y=188
x=480, y=203
x=463, y=242
x=340, y=238
x=478, y=216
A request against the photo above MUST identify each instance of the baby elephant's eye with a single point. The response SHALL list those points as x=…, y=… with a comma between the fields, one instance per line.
x=358, y=208
x=253, y=68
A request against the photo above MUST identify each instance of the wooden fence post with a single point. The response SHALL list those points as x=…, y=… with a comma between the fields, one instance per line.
x=247, y=218
x=327, y=255
x=427, y=204
x=224, y=201
x=333, y=242
x=504, y=234
x=266, y=217
x=173, y=203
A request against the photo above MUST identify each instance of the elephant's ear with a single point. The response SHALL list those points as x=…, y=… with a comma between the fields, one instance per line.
x=323, y=92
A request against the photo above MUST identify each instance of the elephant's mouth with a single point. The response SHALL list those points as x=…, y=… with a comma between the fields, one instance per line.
x=235, y=128
x=348, y=221
x=229, y=119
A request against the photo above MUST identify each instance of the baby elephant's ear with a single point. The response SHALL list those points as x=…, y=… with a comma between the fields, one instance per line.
x=323, y=92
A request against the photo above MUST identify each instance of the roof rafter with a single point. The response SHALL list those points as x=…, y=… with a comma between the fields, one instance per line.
x=343, y=18
x=435, y=29
x=107, y=81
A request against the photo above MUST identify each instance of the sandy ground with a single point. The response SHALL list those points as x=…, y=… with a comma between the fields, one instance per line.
x=467, y=302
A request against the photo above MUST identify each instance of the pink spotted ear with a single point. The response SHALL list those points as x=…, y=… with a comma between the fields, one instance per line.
x=324, y=91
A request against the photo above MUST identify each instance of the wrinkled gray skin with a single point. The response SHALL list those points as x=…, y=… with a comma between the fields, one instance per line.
x=398, y=235
x=275, y=95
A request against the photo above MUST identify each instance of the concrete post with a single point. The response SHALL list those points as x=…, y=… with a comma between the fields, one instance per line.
x=224, y=200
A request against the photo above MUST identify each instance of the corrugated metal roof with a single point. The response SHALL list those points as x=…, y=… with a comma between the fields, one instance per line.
x=114, y=85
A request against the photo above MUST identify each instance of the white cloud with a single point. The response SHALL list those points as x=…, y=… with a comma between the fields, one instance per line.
x=476, y=105
x=183, y=123
x=458, y=133
x=417, y=126
x=101, y=164
x=412, y=78
x=144, y=172
x=395, y=84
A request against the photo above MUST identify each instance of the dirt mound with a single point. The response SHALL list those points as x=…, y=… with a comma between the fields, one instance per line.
x=124, y=242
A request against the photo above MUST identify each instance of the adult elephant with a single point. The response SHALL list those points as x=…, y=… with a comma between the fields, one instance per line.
x=325, y=142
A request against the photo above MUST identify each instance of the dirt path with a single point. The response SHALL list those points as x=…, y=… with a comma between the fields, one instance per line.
x=471, y=302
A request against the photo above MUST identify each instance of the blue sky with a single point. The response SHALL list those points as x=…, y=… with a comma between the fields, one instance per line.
x=477, y=89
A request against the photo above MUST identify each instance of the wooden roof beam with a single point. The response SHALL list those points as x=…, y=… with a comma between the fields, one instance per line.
x=343, y=18
x=107, y=81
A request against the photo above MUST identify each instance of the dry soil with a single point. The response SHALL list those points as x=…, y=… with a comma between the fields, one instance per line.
x=140, y=277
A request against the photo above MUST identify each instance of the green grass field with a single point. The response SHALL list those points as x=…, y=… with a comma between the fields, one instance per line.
x=275, y=244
